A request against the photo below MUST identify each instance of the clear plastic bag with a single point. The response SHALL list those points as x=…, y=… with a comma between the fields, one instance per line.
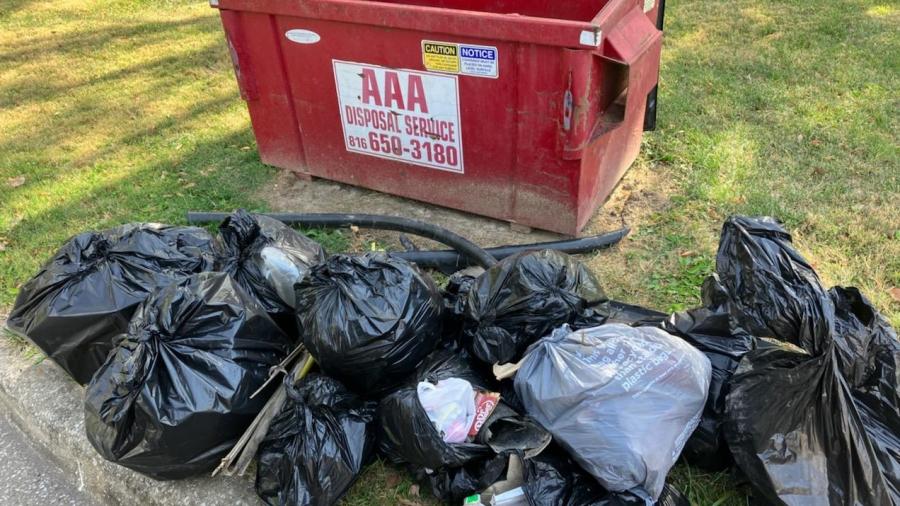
x=621, y=400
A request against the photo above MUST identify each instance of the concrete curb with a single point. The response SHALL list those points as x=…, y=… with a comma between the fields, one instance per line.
x=47, y=406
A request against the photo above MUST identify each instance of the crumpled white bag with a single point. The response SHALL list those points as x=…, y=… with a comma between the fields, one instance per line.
x=450, y=405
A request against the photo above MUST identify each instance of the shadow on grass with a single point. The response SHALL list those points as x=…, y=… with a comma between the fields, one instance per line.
x=84, y=106
x=10, y=7
x=161, y=133
x=127, y=35
x=35, y=89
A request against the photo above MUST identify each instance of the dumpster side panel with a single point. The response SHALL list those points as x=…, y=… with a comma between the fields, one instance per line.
x=545, y=183
x=260, y=72
x=486, y=109
x=629, y=68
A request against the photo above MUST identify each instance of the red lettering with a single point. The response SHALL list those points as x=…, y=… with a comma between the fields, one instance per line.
x=415, y=94
x=392, y=91
x=370, y=87
x=423, y=127
x=392, y=123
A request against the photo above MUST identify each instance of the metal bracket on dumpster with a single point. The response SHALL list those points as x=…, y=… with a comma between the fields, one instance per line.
x=603, y=83
x=631, y=49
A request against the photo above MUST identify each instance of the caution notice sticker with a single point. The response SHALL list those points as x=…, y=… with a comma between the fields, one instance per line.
x=401, y=115
x=463, y=59
x=440, y=57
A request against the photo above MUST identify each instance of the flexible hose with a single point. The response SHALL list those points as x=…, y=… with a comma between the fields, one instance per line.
x=449, y=261
x=477, y=255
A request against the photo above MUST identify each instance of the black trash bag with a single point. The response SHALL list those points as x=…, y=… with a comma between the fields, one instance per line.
x=85, y=295
x=407, y=435
x=267, y=258
x=446, y=363
x=818, y=423
x=455, y=296
x=774, y=291
x=867, y=347
x=174, y=395
x=822, y=428
x=369, y=320
x=868, y=354
x=457, y=291
x=553, y=479
x=316, y=446
x=712, y=330
x=450, y=484
x=523, y=298
x=453, y=485
x=794, y=431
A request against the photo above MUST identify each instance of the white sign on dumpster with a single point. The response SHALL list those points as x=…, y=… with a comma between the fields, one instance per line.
x=402, y=115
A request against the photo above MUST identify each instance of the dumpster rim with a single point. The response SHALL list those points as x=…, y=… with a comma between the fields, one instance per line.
x=454, y=22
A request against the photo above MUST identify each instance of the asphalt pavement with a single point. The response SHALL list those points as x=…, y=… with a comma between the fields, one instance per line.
x=29, y=477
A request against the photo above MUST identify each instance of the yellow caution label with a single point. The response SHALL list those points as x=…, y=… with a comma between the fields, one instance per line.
x=440, y=57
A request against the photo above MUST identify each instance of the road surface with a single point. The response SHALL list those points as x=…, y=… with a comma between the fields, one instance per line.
x=28, y=477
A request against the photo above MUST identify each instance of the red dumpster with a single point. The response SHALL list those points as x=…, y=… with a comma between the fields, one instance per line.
x=523, y=110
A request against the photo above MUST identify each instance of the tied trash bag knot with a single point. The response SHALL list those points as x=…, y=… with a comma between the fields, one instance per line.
x=85, y=295
x=149, y=336
x=152, y=407
x=97, y=251
x=523, y=298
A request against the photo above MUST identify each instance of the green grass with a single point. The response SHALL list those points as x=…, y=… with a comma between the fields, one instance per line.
x=127, y=110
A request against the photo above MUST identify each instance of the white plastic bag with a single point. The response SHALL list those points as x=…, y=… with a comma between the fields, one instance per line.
x=281, y=271
x=450, y=405
x=621, y=400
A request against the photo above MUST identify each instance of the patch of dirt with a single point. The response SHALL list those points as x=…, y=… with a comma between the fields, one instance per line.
x=644, y=192
x=640, y=194
x=288, y=193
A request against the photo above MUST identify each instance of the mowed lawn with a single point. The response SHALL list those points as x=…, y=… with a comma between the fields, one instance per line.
x=127, y=110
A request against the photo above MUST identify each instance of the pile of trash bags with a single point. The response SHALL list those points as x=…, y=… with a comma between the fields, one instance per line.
x=519, y=383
